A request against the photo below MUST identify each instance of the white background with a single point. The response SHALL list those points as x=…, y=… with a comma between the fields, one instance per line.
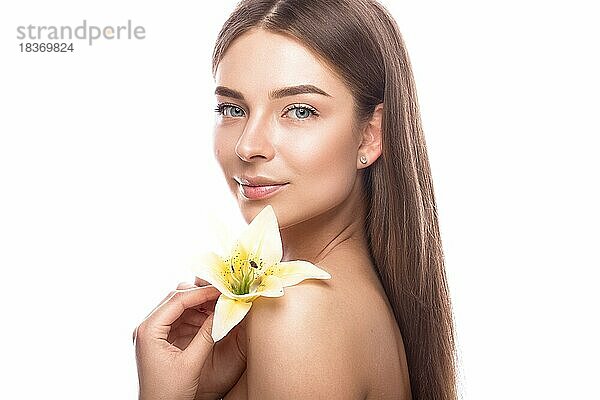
x=107, y=176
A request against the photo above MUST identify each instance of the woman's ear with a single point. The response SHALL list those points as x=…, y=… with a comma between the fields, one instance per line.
x=370, y=146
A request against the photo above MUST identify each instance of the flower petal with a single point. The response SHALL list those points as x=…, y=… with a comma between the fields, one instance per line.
x=293, y=272
x=228, y=313
x=210, y=267
x=271, y=286
x=262, y=240
x=220, y=234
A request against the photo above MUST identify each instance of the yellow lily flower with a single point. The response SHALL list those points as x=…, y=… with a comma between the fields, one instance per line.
x=251, y=267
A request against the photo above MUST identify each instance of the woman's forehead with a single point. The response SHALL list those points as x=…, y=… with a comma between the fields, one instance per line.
x=264, y=61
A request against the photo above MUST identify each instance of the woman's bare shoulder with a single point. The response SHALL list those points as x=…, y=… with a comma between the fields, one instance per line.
x=337, y=335
x=303, y=337
x=316, y=309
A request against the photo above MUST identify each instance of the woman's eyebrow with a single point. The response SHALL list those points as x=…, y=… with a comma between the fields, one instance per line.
x=274, y=94
x=294, y=90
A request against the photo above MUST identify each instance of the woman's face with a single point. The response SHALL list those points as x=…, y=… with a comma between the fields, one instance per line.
x=286, y=121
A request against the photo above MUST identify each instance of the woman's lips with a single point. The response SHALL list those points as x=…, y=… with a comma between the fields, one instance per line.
x=260, y=192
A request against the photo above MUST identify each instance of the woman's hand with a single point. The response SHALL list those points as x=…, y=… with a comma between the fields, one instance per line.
x=226, y=362
x=176, y=356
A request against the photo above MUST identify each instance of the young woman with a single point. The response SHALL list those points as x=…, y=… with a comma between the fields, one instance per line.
x=318, y=116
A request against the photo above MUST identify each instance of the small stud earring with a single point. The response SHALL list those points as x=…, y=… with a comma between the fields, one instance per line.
x=363, y=159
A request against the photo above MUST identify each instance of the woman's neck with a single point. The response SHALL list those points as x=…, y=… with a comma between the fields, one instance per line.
x=338, y=230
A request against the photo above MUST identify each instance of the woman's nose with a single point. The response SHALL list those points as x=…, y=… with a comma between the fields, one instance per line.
x=255, y=143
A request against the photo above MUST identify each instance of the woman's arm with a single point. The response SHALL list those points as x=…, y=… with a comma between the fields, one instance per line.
x=300, y=346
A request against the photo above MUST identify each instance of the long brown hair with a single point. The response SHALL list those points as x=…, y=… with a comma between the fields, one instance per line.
x=361, y=41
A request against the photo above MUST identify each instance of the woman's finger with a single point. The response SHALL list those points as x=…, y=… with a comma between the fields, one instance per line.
x=184, y=330
x=186, y=285
x=200, y=282
x=193, y=316
x=180, y=286
x=174, y=307
x=182, y=342
x=210, y=306
x=207, y=307
x=201, y=345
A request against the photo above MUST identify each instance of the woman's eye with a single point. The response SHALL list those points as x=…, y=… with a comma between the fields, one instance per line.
x=229, y=110
x=300, y=112
x=296, y=111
